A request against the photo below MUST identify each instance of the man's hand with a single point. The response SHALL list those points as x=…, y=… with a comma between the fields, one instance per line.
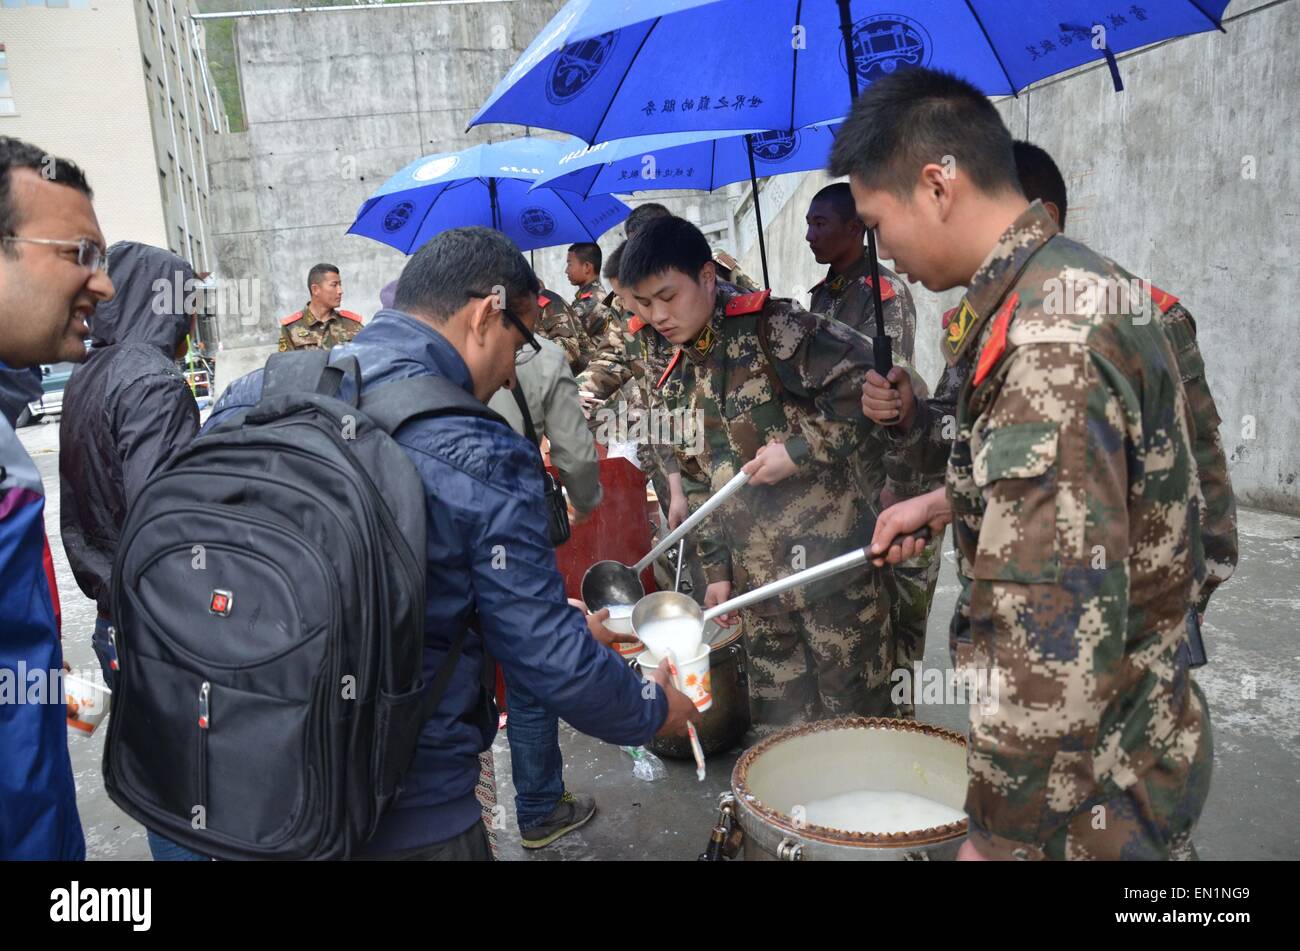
x=678, y=509
x=589, y=402
x=716, y=594
x=891, y=543
x=596, y=624
x=577, y=516
x=681, y=708
x=889, y=405
x=770, y=465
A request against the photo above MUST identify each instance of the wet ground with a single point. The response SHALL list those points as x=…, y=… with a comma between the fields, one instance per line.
x=1252, y=683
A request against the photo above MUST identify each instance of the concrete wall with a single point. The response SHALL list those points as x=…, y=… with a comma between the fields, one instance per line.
x=1159, y=178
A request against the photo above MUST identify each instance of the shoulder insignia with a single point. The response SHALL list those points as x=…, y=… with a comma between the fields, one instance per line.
x=672, y=364
x=584, y=296
x=997, y=342
x=947, y=316
x=887, y=292
x=636, y=325
x=356, y=318
x=543, y=301
x=958, y=326
x=1163, y=299
x=285, y=321
x=743, y=304
x=726, y=260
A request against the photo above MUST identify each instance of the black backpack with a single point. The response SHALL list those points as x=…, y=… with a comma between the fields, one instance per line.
x=269, y=601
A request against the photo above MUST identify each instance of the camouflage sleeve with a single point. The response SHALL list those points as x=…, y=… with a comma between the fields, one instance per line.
x=821, y=362
x=286, y=343
x=900, y=321
x=609, y=367
x=920, y=456
x=1047, y=592
x=1219, y=522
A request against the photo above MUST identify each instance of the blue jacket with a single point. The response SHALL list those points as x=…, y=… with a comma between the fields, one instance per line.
x=38, y=799
x=489, y=551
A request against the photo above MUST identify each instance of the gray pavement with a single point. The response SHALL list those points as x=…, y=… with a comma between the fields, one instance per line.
x=1252, y=684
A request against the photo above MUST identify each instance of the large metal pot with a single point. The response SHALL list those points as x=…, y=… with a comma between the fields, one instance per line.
x=823, y=759
x=724, y=723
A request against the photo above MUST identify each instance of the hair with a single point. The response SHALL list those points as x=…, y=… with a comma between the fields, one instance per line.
x=613, y=262
x=318, y=272
x=840, y=197
x=458, y=265
x=1039, y=176
x=15, y=154
x=915, y=117
x=588, y=252
x=642, y=214
x=664, y=244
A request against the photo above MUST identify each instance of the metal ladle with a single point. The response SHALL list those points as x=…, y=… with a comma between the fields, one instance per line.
x=609, y=583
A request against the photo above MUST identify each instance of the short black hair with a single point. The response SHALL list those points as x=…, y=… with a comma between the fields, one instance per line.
x=15, y=154
x=642, y=214
x=840, y=197
x=914, y=117
x=588, y=252
x=1039, y=176
x=457, y=265
x=318, y=272
x=613, y=261
x=664, y=244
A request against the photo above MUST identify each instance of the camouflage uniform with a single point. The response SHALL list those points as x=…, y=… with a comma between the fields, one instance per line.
x=848, y=298
x=1075, y=501
x=304, y=331
x=559, y=323
x=765, y=369
x=593, y=317
x=729, y=272
x=615, y=359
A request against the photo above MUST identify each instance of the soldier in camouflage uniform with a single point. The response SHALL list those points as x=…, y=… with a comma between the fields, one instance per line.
x=1071, y=485
x=320, y=325
x=835, y=236
x=582, y=268
x=559, y=323
x=777, y=389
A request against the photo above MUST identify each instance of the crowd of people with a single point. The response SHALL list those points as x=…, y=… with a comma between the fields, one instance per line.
x=1071, y=441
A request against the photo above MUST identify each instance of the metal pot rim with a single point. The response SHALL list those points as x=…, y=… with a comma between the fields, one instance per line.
x=903, y=840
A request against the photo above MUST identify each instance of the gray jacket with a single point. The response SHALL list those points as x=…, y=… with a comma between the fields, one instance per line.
x=552, y=396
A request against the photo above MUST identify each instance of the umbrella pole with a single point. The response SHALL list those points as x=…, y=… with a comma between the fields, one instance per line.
x=884, y=358
x=758, y=210
x=492, y=197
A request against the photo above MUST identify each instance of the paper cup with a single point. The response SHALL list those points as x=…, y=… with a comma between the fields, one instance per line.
x=87, y=701
x=695, y=675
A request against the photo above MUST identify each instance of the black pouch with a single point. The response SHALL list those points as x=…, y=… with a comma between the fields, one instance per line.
x=557, y=511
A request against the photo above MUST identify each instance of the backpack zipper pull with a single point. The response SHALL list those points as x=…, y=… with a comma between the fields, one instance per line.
x=204, y=720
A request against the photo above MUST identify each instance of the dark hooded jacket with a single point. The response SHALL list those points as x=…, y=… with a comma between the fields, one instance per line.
x=127, y=409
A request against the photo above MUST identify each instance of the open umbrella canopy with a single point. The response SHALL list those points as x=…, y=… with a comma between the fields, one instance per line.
x=487, y=185
x=619, y=68
x=689, y=160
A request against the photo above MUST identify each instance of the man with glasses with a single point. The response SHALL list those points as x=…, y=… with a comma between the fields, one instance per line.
x=463, y=310
x=51, y=279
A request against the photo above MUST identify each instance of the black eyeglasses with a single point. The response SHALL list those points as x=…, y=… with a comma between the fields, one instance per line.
x=522, y=355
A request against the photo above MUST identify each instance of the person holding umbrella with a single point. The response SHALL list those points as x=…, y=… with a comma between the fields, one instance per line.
x=1071, y=487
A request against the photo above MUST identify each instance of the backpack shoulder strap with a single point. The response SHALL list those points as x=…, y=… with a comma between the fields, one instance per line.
x=393, y=404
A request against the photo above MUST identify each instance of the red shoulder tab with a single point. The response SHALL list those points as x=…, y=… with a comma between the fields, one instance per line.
x=636, y=325
x=351, y=316
x=672, y=364
x=743, y=304
x=997, y=342
x=584, y=296
x=290, y=319
x=887, y=292
x=947, y=316
x=1163, y=299
x=543, y=301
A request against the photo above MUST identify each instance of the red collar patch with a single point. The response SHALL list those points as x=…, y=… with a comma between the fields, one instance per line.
x=997, y=342
x=636, y=325
x=543, y=301
x=1162, y=299
x=672, y=364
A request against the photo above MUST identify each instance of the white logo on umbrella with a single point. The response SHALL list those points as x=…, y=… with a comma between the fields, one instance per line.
x=435, y=168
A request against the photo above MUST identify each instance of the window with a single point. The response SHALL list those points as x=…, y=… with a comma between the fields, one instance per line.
x=7, y=106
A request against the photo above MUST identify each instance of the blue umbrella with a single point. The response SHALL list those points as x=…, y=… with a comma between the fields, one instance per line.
x=691, y=160
x=619, y=68
x=485, y=185
x=622, y=68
